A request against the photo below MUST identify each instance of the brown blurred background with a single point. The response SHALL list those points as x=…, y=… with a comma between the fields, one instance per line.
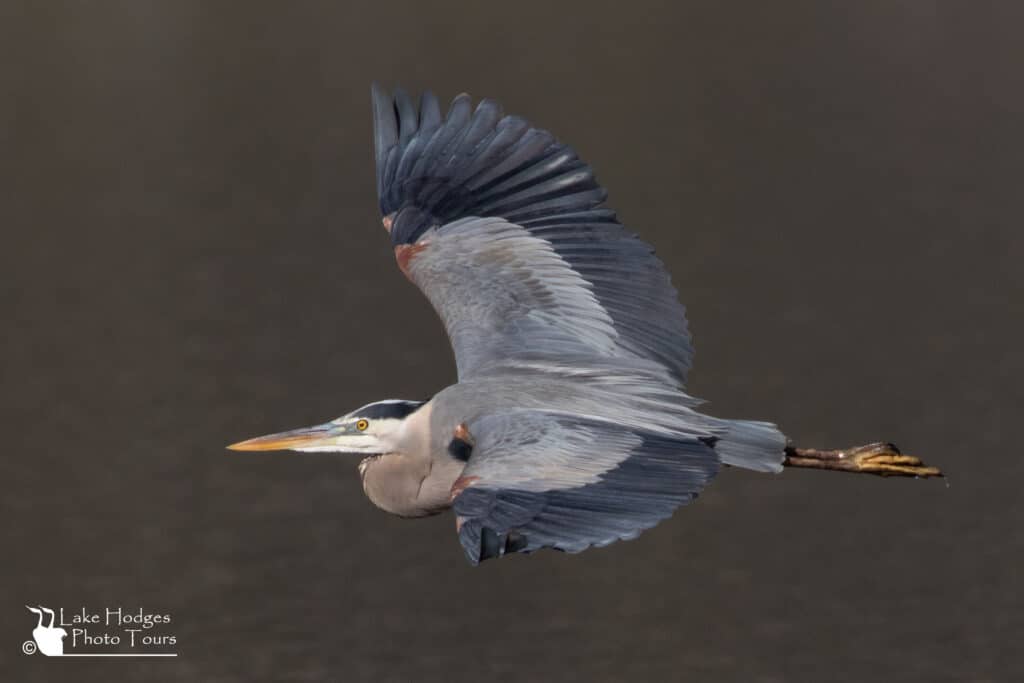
x=191, y=254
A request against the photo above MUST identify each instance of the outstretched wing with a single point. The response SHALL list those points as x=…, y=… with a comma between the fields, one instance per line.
x=540, y=479
x=433, y=173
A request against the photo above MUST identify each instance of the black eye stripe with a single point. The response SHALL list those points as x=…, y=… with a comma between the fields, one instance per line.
x=392, y=409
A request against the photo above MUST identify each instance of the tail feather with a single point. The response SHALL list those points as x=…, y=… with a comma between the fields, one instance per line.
x=758, y=446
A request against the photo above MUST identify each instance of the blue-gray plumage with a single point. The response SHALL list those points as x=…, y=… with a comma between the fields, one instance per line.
x=569, y=426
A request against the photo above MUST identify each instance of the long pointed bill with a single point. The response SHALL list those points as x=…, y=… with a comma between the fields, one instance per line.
x=307, y=437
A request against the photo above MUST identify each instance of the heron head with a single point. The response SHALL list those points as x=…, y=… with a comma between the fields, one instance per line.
x=371, y=430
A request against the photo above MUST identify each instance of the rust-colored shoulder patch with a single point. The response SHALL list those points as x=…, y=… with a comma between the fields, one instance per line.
x=405, y=253
x=462, y=432
x=460, y=485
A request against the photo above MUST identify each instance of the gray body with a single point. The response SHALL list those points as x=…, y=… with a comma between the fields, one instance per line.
x=418, y=481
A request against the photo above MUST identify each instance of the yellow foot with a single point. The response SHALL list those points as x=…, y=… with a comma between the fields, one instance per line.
x=881, y=458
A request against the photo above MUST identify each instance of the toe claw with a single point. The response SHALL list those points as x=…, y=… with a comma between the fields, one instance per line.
x=907, y=460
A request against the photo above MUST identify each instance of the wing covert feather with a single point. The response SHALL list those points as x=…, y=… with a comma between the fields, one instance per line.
x=502, y=293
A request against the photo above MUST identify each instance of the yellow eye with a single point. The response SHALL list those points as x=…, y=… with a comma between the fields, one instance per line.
x=362, y=425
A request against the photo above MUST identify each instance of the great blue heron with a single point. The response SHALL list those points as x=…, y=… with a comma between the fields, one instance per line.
x=569, y=426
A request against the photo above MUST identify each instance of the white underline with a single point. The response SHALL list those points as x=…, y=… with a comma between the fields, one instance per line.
x=117, y=654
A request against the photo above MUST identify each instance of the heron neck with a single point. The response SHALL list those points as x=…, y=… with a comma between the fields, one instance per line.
x=392, y=482
x=414, y=437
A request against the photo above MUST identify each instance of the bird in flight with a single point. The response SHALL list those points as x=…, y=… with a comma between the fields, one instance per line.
x=569, y=425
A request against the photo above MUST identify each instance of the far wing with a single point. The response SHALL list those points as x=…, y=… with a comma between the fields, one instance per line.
x=539, y=479
x=434, y=170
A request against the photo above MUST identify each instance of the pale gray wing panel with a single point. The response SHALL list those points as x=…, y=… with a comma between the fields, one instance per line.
x=539, y=479
x=479, y=162
x=503, y=293
x=629, y=281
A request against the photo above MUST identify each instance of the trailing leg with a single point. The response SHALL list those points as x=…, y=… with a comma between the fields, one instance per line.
x=883, y=459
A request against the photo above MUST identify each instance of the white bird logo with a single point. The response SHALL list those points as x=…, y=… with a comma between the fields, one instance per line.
x=49, y=639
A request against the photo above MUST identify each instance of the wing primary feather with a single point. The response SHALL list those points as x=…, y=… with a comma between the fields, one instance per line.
x=430, y=112
x=385, y=134
x=405, y=110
